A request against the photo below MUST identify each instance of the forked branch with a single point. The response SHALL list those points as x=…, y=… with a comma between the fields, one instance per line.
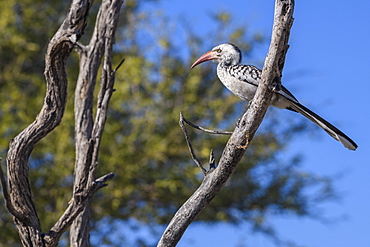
x=51, y=114
x=188, y=142
x=212, y=163
x=17, y=191
x=87, y=131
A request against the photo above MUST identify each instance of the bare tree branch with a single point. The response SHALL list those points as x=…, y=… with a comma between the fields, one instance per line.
x=49, y=117
x=119, y=65
x=212, y=162
x=88, y=132
x=18, y=196
x=76, y=206
x=188, y=142
x=90, y=60
x=107, y=78
x=218, y=132
x=243, y=133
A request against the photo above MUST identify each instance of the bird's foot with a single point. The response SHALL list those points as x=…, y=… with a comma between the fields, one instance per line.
x=237, y=123
x=240, y=123
x=276, y=85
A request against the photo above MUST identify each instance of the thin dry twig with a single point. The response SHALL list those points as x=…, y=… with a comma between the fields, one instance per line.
x=212, y=161
x=119, y=65
x=187, y=138
x=217, y=132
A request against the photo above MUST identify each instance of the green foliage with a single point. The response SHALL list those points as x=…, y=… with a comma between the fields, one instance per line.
x=142, y=142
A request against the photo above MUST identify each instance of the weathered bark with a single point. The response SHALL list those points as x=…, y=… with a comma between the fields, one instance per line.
x=243, y=133
x=87, y=132
x=17, y=191
x=49, y=117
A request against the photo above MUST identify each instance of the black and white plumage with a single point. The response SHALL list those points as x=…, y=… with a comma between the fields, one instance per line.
x=243, y=80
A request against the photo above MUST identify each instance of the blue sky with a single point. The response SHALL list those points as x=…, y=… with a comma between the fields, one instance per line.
x=330, y=42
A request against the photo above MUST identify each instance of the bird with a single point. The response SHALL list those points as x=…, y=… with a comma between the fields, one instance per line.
x=242, y=81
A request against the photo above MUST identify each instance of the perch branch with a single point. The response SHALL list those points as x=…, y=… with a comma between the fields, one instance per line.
x=244, y=131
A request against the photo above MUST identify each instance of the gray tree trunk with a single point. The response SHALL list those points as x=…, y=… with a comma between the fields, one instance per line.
x=88, y=132
x=17, y=191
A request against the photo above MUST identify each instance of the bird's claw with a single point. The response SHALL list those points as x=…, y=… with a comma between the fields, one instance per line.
x=275, y=87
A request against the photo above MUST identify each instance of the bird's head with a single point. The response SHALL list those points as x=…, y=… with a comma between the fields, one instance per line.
x=226, y=54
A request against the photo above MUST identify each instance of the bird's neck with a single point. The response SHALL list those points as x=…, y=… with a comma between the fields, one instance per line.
x=226, y=63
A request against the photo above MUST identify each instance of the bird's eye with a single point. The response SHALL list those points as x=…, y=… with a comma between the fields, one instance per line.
x=218, y=50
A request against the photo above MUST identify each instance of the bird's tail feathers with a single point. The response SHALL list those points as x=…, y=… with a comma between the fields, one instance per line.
x=328, y=127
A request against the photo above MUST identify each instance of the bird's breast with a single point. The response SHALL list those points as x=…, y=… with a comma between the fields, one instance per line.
x=244, y=88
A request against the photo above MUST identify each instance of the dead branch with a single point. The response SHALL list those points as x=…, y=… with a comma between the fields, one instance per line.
x=49, y=117
x=75, y=207
x=88, y=132
x=188, y=142
x=212, y=163
x=17, y=191
x=218, y=132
